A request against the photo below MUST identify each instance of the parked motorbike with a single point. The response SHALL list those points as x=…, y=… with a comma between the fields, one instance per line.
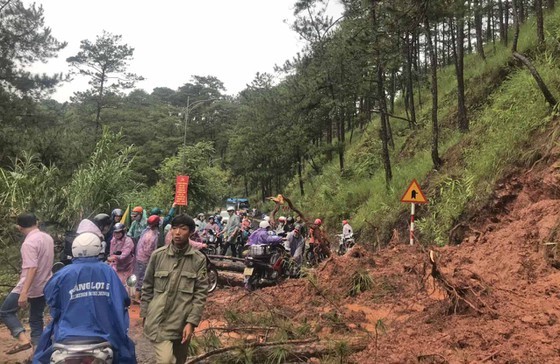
x=267, y=265
x=211, y=271
x=344, y=244
x=211, y=240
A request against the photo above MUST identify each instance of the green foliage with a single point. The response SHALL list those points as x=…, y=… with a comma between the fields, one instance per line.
x=446, y=208
x=361, y=282
x=28, y=186
x=277, y=355
x=207, y=183
x=24, y=40
x=102, y=182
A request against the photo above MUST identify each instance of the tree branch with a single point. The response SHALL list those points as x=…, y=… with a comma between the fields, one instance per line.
x=199, y=358
x=391, y=115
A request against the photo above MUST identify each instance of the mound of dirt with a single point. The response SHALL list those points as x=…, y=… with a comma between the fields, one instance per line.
x=507, y=260
x=495, y=297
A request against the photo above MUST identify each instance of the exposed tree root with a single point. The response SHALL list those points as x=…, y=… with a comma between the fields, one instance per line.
x=463, y=292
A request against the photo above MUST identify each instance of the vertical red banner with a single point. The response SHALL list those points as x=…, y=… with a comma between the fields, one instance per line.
x=181, y=190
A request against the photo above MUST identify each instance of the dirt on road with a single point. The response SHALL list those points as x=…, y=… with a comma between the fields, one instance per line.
x=493, y=298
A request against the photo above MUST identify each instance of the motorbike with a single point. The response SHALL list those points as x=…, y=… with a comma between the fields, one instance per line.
x=80, y=351
x=211, y=240
x=212, y=273
x=314, y=255
x=344, y=244
x=267, y=265
x=85, y=350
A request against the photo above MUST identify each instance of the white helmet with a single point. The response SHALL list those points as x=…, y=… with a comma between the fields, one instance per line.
x=264, y=224
x=267, y=218
x=86, y=245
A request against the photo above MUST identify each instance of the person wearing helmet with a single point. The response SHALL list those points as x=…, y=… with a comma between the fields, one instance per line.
x=200, y=222
x=290, y=224
x=85, y=226
x=280, y=225
x=121, y=255
x=156, y=211
x=261, y=236
x=116, y=216
x=296, y=243
x=104, y=223
x=138, y=223
x=87, y=301
x=347, y=231
x=317, y=238
x=147, y=243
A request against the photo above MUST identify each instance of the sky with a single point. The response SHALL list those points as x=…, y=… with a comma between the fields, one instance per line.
x=176, y=39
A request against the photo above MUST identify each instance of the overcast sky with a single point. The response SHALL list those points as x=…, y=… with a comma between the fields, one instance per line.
x=176, y=39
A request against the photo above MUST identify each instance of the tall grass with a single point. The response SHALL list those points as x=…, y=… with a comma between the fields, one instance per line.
x=505, y=108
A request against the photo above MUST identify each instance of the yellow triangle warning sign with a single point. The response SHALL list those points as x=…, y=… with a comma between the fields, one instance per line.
x=414, y=194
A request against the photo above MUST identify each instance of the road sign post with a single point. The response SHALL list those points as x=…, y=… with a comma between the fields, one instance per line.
x=413, y=195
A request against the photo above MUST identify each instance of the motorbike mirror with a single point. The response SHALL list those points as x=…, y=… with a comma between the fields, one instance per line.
x=131, y=281
x=57, y=266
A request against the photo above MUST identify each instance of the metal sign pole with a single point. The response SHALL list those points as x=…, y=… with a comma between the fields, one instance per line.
x=412, y=224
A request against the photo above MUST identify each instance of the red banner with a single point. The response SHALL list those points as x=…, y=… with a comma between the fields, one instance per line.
x=181, y=190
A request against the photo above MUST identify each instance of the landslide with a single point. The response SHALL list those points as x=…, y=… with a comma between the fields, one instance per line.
x=495, y=298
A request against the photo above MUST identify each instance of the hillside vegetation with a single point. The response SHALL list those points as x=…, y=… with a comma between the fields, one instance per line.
x=510, y=122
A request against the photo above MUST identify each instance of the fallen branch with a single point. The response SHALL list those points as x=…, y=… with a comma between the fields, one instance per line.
x=391, y=115
x=542, y=86
x=490, y=356
x=299, y=350
x=199, y=358
x=238, y=328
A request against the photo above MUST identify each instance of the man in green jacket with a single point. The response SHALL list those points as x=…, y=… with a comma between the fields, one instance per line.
x=173, y=294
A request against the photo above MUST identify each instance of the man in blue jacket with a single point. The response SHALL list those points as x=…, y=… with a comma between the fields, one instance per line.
x=87, y=301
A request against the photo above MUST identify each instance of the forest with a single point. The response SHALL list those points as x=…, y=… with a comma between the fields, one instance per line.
x=382, y=92
x=460, y=95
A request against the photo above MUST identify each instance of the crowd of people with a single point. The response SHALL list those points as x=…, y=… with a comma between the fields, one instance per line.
x=87, y=298
x=90, y=294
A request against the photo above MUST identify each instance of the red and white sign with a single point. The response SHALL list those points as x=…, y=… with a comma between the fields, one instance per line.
x=181, y=190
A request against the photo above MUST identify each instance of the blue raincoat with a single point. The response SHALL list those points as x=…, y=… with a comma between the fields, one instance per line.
x=87, y=300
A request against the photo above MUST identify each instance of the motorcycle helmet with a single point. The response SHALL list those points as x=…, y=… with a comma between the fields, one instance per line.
x=101, y=221
x=155, y=211
x=138, y=209
x=117, y=212
x=118, y=228
x=318, y=222
x=219, y=218
x=86, y=245
x=153, y=220
x=282, y=219
x=344, y=222
x=290, y=219
x=264, y=224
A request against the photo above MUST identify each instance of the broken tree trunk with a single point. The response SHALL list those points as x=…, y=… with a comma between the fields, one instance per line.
x=542, y=86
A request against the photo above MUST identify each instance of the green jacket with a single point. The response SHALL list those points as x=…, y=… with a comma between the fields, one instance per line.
x=174, y=292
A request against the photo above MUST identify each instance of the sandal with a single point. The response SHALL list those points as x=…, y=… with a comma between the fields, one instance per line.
x=18, y=348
